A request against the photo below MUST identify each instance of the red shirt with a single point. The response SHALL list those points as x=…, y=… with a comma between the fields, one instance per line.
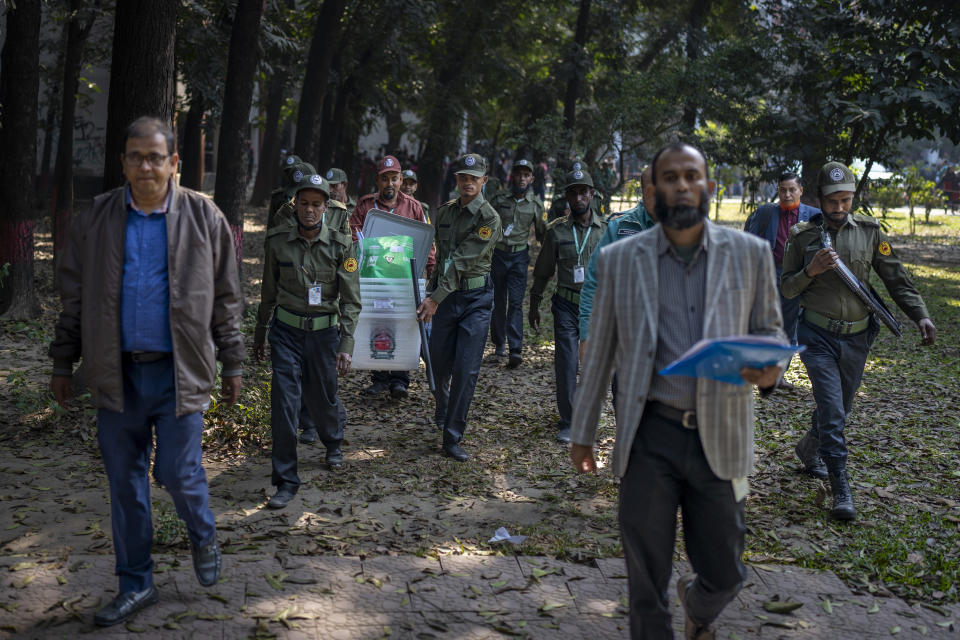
x=788, y=218
x=406, y=207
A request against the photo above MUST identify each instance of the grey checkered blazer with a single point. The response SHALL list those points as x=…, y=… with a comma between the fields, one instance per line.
x=741, y=298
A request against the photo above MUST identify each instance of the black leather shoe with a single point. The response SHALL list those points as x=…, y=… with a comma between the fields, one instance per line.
x=334, y=456
x=501, y=351
x=398, y=391
x=456, y=452
x=515, y=361
x=281, y=498
x=308, y=436
x=786, y=386
x=564, y=435
x=376, y=388
x=206, y=564
x=124, y=606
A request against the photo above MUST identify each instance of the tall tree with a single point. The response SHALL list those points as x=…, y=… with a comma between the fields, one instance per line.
x=326, y=37
x=577, y=65
x=142, y=73
x=79, y=22
x=191, y=153
x=19, y=89
x=231, y=183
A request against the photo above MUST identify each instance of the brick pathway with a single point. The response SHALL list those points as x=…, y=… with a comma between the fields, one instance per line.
x=300, y=597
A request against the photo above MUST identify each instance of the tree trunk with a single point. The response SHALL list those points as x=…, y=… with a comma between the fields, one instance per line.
x=694, y=48
x=578, y=65
x=395, y=127
x=78, y=28
x=326, y=37
x=19, y=88
x=270, y=150
x=191, y=171
x=328, y=126
x=231, y=185
x=142, y=74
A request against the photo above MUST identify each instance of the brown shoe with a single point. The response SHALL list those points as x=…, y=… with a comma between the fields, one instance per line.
x=691, y=630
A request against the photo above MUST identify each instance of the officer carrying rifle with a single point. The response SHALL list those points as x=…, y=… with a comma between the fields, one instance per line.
x=827, y=263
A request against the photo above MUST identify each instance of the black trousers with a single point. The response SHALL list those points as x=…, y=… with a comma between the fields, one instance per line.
x=509, y=274
x=456, y=350
x=667, y=470
x=304, y=371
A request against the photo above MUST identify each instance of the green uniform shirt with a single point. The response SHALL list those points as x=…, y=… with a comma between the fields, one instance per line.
x=559, y=253
x=337, y=216
x=292, y=264
x=516, y=216
x=465, y=238
x=426, y=210
x=860, y=245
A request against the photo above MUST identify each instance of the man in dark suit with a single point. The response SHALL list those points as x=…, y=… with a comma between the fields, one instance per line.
x=773, y=222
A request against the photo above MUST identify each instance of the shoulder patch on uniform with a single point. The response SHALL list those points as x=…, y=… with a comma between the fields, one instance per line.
x=448, y=202
x=557, y=221
x=865, y=219
x=484, y=232
x=350, y=265
x=336, y=204
x=884, y=248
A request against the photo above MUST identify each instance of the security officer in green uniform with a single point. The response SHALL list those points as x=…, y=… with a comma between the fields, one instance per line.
x=310, y=301
x=560, y=207
x=338, y=188
x=566, y=251
x=279, y=196
x=409, y=187
x=294, y=178
x=460, y=299
x=519, y=209
x=337, y=216
x=835, y=326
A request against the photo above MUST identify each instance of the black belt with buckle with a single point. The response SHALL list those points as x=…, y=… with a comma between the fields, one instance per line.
x=143, y=357
x=688, y=419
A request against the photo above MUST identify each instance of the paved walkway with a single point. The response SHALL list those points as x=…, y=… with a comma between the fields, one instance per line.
x=300, y=597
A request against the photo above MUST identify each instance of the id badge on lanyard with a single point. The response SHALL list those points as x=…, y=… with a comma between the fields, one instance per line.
x=315, y=295
x=578, y=274
x=314, y=291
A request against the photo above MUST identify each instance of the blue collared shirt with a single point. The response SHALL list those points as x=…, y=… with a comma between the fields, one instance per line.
x=145, y=299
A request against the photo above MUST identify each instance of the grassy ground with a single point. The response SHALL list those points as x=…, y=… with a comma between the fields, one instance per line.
x=396, y=494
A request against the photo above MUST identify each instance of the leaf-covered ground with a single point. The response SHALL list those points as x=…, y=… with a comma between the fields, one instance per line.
x=397, y=494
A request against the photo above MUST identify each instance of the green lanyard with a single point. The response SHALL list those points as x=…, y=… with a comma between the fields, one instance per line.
x=576, y=243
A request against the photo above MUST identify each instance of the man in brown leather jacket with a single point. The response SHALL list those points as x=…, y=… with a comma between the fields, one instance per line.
x=151, y=299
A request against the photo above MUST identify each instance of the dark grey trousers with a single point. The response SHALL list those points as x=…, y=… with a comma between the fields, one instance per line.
x=667, y=470
x=304, y=374
x=835, y=366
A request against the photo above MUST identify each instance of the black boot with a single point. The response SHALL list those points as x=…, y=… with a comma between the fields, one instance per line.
x=840, y=487
x=807, y=452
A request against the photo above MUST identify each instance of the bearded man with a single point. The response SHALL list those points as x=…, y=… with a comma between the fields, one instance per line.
x=567, y=247
x=681, y=442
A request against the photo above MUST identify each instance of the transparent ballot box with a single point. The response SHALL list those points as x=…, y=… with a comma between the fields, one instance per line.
x=387, y=335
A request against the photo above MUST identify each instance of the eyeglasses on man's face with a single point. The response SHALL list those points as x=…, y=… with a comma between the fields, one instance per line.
x=134, y=159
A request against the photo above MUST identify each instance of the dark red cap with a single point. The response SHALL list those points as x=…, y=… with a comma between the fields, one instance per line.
x=388, y=163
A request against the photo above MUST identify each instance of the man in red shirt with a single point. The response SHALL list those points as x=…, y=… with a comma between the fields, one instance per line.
x=391, y=199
